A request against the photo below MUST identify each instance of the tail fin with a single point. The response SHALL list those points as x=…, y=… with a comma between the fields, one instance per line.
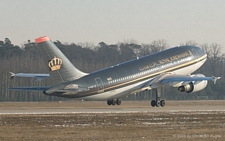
x=61, y=69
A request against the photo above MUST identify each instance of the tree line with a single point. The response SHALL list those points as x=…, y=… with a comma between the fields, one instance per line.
x=89, y=57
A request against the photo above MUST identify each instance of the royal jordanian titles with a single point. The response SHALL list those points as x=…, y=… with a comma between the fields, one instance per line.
x=173, y=67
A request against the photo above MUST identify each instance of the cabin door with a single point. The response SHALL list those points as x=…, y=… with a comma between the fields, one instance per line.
x=100, y=85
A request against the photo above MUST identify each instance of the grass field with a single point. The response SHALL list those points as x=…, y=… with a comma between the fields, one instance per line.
x=155, y=126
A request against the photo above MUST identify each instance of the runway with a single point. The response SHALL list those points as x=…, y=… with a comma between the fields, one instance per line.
x=133, y=120
x=109, y=110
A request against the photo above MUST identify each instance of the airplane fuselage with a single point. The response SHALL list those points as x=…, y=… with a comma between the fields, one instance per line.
x=122, y=79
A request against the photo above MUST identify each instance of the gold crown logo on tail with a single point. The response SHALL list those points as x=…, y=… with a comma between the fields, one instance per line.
x=55, y=64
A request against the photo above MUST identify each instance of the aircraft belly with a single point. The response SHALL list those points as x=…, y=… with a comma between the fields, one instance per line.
x=114, y=94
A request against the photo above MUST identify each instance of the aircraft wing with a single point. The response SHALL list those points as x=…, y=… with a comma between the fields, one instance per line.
x=167, y=78
x=175, y=79
x=40, y=88
x=33, y=75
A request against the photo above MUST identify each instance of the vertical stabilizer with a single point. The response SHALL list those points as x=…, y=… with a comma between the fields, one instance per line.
x=60, y=68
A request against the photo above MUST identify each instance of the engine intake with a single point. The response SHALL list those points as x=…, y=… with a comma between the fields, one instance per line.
x=186, y=88
x=194, y=87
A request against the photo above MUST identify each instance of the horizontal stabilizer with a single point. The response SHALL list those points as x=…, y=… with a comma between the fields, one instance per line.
x=70, y=89
x=32, y=75
x=40, y=88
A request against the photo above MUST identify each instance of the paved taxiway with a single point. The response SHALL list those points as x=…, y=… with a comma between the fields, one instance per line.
x=115, y=109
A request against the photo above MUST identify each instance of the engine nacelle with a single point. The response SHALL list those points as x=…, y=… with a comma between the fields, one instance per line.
x=194, y=87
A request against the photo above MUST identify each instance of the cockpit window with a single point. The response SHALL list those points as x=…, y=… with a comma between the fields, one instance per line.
x=194, y=52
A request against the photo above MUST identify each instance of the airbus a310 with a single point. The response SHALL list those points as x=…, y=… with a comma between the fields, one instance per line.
x=173, y=67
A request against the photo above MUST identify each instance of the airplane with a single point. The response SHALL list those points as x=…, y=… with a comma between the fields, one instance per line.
x=173, y=67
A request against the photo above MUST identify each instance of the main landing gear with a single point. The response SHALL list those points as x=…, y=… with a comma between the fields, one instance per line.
x=114, y=102
x=157, y=102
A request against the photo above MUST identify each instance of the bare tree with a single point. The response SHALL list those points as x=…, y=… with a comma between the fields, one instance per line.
x=158, y=45
x=189, y=43
x=216, y=51
x=206, y=48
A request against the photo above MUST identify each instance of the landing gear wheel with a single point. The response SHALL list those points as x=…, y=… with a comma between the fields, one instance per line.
x=162, y=103
x=118, y=102
x=109, y=102
x=153, y=103
x=114, y=102
x=157, y=104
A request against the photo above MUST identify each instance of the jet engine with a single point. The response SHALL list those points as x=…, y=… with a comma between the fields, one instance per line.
x=194, y=86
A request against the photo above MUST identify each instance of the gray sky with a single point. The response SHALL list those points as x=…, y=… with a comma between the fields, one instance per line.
x=113, y=21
